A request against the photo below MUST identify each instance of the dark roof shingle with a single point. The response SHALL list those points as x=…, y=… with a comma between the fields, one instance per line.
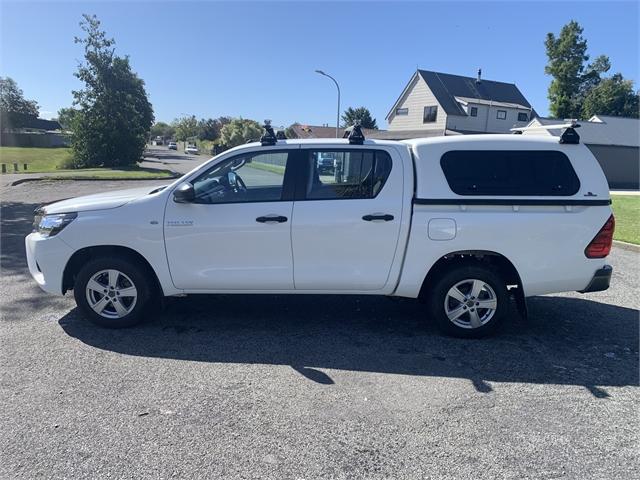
x=446, y=87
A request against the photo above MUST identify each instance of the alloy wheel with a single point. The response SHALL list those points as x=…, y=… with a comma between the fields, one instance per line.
x=470, y=303
x=111, y=293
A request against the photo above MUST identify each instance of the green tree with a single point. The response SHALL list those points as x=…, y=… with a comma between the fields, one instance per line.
x=579, y=90
x=239, y=131
x=593, y=74
x=208, y=129
x=162, y=129
x=67, y=117
x=12, y=98
x=361, y=114
x=186, y=128
x=114, y=115
x=612, y=96
x=567, y=54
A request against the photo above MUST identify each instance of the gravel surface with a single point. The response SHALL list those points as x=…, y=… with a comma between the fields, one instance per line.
x=309, y=387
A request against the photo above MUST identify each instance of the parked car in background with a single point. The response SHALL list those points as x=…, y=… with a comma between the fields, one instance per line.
x=326, y=162
x=172, y=146
x=466, y=223
x=191, y=150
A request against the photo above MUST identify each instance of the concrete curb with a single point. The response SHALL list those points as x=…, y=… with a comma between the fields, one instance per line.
x=632, y=247
x=173, y=176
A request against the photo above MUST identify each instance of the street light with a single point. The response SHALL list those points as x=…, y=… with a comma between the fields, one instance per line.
x=338, y=87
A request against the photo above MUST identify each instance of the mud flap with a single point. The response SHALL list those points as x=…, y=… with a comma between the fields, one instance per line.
x=521, y=303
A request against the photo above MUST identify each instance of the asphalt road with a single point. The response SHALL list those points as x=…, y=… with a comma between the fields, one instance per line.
x=177, y=161
x=311, y=386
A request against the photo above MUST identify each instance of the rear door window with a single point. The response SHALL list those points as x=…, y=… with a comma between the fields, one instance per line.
x=346, y=174
x=510, y=173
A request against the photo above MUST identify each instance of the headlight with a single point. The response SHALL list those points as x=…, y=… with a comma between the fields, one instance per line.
x=50, y=225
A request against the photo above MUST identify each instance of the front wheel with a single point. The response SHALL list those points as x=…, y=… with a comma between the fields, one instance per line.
x=112, y=292
x=469, y=302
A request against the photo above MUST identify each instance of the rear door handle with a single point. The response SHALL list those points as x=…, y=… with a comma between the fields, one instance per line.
x=272, y=219
x=385, y=217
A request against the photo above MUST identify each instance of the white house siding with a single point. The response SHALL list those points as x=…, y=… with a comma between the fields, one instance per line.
x=487, y=120
x=417, y=97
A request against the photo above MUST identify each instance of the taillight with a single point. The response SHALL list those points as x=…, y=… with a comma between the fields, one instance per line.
x=600, y=246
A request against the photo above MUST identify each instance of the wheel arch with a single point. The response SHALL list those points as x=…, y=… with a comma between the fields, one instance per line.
x=485, y=258
x=80, y=257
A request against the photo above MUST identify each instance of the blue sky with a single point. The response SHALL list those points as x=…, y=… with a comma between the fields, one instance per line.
x=257, y=60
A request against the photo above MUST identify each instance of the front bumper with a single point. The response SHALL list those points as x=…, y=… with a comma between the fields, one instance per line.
x=47, y=258
x=600, y=281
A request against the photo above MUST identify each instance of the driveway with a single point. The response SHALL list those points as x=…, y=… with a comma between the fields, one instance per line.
x=177, y=161
x=308, y=387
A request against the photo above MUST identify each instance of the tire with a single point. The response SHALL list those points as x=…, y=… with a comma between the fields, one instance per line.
x=454, y=310
x=121, y=306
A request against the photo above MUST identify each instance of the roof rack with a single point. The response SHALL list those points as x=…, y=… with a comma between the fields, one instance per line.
x=354, y=134
x=568, y=136
x=268, y=138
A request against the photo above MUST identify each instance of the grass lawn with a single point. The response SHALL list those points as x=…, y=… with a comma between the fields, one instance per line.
x=267, y=167
x=39, y=159
x=49, y=160
x=626, y=209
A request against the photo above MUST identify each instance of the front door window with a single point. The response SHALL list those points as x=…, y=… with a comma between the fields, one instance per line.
x=254, y=177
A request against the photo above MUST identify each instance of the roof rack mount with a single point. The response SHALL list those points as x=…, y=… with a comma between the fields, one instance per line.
x=268, y=138
x=354, y=134
x=568, y=136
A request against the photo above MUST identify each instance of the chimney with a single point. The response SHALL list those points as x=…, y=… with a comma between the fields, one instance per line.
x=479, y=79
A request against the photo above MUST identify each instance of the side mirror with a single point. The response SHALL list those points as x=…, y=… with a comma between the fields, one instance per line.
x=184, y=193
x=232, y=178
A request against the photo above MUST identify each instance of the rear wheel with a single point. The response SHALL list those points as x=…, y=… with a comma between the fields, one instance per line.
x=469, y=301
x=112, y=292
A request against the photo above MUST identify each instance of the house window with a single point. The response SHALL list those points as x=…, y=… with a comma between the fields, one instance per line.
x=473, y=111
x=430, y=114
x=402, y=111
x=523, y=117
x=501, y=115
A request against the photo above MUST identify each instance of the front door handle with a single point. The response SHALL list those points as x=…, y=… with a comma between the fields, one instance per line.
x=384, y=217
x=272, y=219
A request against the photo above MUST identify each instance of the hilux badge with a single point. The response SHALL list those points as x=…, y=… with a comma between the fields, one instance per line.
x=179, y=223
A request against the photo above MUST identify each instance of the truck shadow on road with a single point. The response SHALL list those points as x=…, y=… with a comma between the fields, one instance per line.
x=594, y=347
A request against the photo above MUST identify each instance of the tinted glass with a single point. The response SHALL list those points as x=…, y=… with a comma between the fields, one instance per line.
x=430, y=114
x=347, y=174
x=254, y=177
x=508, y=172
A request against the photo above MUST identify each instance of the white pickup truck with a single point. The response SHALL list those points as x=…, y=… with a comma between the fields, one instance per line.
x=461, y=222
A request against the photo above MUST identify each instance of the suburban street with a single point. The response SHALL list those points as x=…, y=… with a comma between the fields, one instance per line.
x=177, y=161
x=303, y=386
